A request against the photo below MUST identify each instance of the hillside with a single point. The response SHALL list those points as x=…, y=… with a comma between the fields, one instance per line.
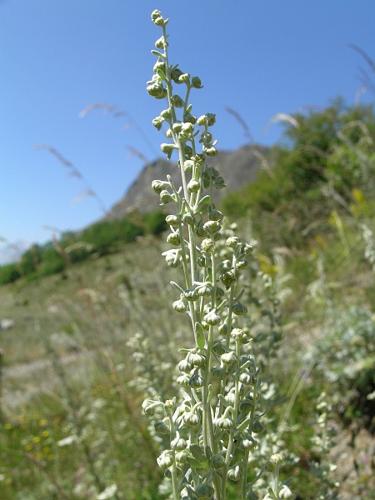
x=238, y=167
x=84, y=346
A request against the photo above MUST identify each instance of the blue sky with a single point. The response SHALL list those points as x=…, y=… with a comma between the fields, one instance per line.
x=58, y=56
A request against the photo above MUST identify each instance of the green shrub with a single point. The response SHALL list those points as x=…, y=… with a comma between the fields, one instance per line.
x=30, y=260
x=154, y=222
x=9, y=273
x=105, y=235
x=52, y=261
x=346, y=359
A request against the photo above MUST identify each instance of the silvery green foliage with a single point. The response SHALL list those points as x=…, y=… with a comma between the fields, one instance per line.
x=345, y=357
x=368, y=238
x=322, y=443
x=212, y=425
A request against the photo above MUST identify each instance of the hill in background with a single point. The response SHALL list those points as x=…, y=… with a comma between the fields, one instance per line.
x=238, y=167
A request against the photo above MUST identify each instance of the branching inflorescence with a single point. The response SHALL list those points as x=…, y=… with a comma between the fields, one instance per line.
x=211, y=428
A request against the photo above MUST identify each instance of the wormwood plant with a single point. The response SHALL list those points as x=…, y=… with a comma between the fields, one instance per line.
x=210, y=430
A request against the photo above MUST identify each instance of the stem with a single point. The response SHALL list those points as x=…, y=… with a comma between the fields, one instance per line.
x=236, y=406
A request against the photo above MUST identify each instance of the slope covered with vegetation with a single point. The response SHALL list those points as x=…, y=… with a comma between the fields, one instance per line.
x=88, y=343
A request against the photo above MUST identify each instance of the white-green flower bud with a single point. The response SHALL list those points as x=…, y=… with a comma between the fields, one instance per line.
x=177, y=101
x=149, y=406
x=228, y=278
x=206, y=138
x=155, y=14
x=166, y=114
x=239, y=334
x=187, y=218
x=230, y=397
x=205, y=289
x=191, y=294
x=188, y=117
x=169, y=133
x=211, y=119
x=201, y=120
x=183, y=379
x=179, y=306
x=172, y=220
x=196, y=380
x=211, y=151
x=156, y=90
x=165, y=459
x=175, y=74
x=184, y=78
x=157, y=18
x=228, y=357
x=232, y=241
x=161, y=43
x=181, y=457
x=239, y=309
x=212, y=318
x=211, y=226
x=249, y=247
x=276, y=458
x=196, y=82
x=173, y=238
x=172, y=257
x=184, y=365
x=285, y=492
x=170, y=403
x=196, y=359
x=158, y=122
x=187, y=128
x=177, y=127
x=158, y=186
x=234, y=473
x=191, y=418
x=207, y=245
x=178, y=443
x=248, y=443
x=207, y=119
x=224, y=423
x=193, y=186
x=245, y=379
x=159, y=66
x=165, y=197
x=167, y=148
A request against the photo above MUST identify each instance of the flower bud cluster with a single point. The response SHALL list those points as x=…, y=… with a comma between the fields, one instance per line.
x=213, y=424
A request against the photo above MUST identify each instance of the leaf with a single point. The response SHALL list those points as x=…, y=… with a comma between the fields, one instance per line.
x=157, y=54
x=201, y=340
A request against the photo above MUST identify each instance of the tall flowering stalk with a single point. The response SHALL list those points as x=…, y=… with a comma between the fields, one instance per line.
x=211, y=428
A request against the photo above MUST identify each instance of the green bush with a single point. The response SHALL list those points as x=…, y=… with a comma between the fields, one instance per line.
x=52, y=261
x=154, y=222
x=346, y=360
x=327, y=149
x=105, y=235
x=9, y=273
x=30, y=260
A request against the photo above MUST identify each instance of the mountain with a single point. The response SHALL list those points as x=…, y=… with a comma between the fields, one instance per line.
x=238, y=167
